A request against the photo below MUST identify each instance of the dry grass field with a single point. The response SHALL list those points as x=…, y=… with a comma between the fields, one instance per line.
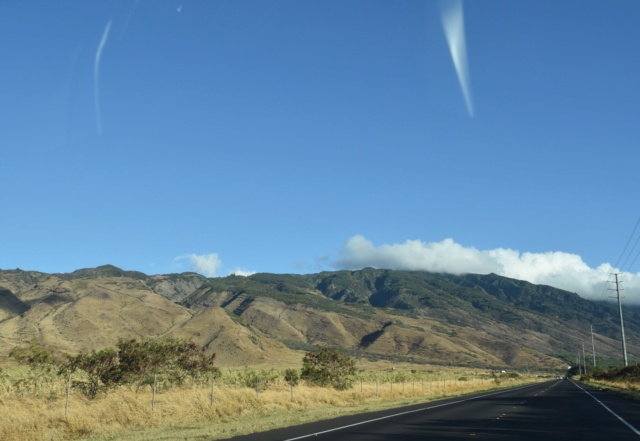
x=35, y=410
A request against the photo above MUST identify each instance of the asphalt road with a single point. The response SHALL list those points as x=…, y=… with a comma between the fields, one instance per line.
x=550, y=411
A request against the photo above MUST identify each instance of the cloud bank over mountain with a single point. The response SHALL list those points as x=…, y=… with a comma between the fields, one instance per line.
x=555, y=268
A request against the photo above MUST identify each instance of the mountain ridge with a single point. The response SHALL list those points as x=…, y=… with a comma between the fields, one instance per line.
x=265, y=318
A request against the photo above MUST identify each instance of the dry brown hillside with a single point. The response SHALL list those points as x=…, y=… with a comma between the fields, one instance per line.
x=271, y=319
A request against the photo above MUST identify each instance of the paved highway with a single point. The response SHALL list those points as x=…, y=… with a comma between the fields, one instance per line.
x=550, y=411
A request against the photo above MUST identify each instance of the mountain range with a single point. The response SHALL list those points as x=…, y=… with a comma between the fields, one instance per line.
x=271, y=319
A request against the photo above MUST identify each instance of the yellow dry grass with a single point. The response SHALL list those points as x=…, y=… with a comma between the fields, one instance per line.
x=630, y=389
x=186, y=412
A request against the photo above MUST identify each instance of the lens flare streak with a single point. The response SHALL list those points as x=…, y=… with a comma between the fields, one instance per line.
x=453, y=23
x=96, y=75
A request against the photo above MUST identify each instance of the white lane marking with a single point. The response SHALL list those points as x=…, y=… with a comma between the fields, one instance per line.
x=636, y=431
x=403, y=413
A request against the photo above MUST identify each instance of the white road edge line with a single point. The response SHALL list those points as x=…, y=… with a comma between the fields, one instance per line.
x=403, y=413
x=636, y=431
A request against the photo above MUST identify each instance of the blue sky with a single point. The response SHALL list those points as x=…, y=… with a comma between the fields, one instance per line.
x=299, y=136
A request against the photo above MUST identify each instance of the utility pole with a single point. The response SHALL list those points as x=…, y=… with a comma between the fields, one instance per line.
x=584, y=361
x=593, y=348
x=624, y=343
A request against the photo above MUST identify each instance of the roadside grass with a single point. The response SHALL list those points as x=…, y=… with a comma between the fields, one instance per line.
x=627, y=389
x=624, y=381
x=33, y=408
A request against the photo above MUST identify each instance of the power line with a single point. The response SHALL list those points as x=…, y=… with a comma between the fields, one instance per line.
x=629, y=255
x=629, y=241
x=622, y=254
x=634, y=260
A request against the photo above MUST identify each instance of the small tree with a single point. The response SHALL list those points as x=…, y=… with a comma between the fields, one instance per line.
x=291, y=376
x=173, y=359
x=328, y=366
x=102, y=369
x=191, y=360
x=142, y=362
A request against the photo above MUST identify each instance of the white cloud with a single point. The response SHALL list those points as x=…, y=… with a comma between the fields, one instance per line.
x=555, y=268
x=242, y=272
x=209, y=265
x=206, y=264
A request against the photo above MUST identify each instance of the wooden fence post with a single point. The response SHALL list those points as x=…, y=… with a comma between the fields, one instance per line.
x=66, y=404
x=213, y=382
x=153, y=393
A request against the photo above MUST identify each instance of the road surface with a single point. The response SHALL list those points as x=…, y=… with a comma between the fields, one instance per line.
x=558, y=410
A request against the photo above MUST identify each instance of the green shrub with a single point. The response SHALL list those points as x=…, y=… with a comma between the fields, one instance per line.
x=328, y=366
x=291, y=376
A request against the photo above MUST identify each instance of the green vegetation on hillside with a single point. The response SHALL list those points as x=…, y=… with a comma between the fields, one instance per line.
x=288, y=289
x=103, y=271
x=508, y=300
